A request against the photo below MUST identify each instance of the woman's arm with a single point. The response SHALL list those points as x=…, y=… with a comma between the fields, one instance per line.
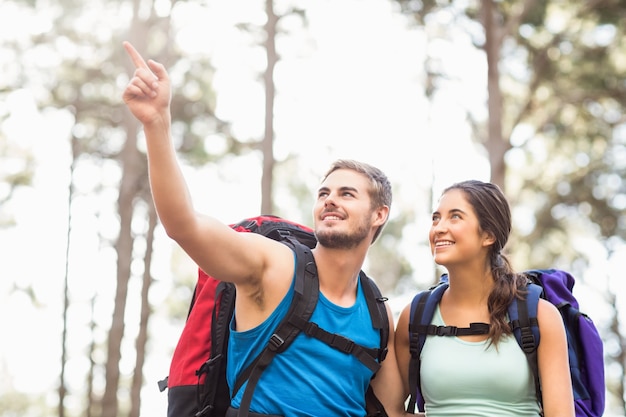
x=553, y=361
x=403, y=355
x=387, y=384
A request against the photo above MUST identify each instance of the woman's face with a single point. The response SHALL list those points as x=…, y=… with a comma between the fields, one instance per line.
x=455, y=235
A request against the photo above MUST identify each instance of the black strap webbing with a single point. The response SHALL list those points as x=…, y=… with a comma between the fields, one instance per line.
x=303, y=304
x=414, y=348
x=215, y=367
x=378, y=312
x=432, y=330
x=366, y=355
x=527, y=342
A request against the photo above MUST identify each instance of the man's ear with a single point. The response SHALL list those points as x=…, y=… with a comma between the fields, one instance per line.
x=382, y=213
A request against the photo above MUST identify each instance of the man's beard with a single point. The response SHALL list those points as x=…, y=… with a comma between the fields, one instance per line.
x=338, y=240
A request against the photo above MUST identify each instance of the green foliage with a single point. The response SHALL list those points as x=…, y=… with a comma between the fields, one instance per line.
x=387, y=266
x=16, y=404
x=575, y=108
x=420, y=9
x=16, y=170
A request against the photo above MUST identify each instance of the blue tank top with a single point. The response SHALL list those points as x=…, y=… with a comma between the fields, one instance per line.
x=309, y=378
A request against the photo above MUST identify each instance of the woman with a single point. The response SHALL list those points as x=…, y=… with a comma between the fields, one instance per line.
x=485, y=374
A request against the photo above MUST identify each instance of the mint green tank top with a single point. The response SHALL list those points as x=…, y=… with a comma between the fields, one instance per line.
x=461, y=378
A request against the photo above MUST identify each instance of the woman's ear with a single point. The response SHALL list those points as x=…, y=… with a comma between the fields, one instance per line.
x=488, y=239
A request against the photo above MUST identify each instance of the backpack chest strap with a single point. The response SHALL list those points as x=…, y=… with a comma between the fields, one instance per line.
x=367, y=356
x=432, y=330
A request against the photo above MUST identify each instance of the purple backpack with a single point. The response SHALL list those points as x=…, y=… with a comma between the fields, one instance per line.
x=586, y=357
x=585, y=348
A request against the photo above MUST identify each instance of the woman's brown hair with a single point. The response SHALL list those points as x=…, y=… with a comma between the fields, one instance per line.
x=494, y=217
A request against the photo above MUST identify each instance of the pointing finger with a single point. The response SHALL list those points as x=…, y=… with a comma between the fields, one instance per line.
x=138, y=61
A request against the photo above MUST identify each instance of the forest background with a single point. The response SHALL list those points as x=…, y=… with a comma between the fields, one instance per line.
x=528, y=94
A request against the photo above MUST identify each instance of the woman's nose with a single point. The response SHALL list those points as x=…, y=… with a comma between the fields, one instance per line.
x=439, y=227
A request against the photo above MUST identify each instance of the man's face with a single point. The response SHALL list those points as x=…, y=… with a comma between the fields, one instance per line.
x=343, y=212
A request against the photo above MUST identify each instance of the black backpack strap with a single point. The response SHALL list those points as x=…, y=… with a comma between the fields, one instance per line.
x=380, y=320
x=422, y=311
x=370, y=357
x=473, y=330
x=215, y=367
x=367, y=356
x=373, y=406
x=304, y=301
x=222, y=314
x=378, y=312
x=523, y=322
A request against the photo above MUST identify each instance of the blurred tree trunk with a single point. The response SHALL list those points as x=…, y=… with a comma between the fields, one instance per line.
x=619, y=357
x=66, y=299
x=495, y=143
x=267, y=145
x=91, y=401
x=498, y=28
x=133, y=177
x=133, y=188
x=134, y=174
x=142, y=337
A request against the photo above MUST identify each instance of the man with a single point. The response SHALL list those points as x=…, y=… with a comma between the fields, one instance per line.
x=352, y=207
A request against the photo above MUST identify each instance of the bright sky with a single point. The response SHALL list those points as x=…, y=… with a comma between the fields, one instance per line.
x=349, y=87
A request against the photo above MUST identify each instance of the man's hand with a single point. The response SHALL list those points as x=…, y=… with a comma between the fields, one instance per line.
x=148, y=93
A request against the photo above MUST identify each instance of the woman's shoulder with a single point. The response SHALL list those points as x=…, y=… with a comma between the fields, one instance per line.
x=548, y=316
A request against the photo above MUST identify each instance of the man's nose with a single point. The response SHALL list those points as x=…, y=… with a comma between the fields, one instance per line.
x=330, y=200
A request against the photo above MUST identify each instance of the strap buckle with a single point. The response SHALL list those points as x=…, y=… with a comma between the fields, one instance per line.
x=446, y=331
x=275, y=342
